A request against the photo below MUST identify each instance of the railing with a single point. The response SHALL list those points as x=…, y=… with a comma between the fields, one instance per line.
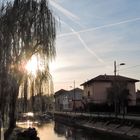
x=133, y=117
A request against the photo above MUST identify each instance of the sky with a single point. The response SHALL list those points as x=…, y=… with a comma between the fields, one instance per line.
x=91, y=35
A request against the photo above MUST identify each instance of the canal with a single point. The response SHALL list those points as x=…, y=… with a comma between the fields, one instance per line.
x=58, y=131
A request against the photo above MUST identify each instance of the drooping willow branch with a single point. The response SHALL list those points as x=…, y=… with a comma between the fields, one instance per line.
x=26, y=27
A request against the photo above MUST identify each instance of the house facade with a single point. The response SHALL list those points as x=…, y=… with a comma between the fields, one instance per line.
x=96, y=89
x=68, y=100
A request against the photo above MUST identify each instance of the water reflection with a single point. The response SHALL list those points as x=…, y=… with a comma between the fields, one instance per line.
x=71, y=133
x=58, y=131
x=46, y=132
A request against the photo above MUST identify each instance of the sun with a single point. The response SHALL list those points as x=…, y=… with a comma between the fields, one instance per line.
x=32, y=65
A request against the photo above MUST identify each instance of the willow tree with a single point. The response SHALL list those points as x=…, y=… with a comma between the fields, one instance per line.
x=27, y=27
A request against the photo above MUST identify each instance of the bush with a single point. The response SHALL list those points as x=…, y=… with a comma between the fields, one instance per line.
x=29, y=134
x=100, y=107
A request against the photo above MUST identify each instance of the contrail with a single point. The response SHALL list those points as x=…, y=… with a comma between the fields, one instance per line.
x=73, y=18
x=64, y=11
x=100, y=27
x=67, y=13
x=87, y=48
x=84, y=44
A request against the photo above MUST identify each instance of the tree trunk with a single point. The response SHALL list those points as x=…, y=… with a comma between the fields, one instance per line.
x=12, y=113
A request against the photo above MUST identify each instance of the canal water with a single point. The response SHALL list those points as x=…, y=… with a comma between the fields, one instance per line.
x=57, y=131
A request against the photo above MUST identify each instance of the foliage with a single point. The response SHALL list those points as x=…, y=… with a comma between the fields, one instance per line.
x=118, y=94
x=39, y=103
x=29, y=134
x=27, y=28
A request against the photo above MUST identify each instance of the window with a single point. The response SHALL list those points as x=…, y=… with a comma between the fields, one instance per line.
x=88, y=93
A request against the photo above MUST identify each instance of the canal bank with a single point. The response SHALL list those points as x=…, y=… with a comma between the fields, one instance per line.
x=128, y=128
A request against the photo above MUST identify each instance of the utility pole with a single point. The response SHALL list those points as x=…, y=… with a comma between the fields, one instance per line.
x=115, y=92
x=74, y=95
x=115, y=69
x=115, y=85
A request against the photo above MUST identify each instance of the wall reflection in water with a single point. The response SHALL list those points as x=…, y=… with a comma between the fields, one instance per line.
x=72, y=133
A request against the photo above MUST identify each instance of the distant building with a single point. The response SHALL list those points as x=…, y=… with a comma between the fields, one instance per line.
x=96, y=89
x=68, y=100
x=59, y=97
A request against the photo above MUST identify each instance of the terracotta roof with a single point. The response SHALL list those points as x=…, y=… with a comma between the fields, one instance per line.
x=59, y=92
x=109, y=78
x=76, y=90
x=62, y=91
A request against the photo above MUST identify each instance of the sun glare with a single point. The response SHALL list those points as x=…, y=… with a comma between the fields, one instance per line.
x=33, y=65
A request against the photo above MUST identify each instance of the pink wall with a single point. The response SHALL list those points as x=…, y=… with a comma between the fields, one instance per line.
x=98, y=92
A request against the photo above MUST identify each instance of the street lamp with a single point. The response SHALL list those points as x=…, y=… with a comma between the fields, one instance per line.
x=115, y=70
x=115, y=67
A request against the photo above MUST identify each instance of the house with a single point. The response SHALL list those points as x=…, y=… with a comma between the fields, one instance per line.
x=96, y=89
x=68, y=100
x=59, y=96
x=76, y=96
